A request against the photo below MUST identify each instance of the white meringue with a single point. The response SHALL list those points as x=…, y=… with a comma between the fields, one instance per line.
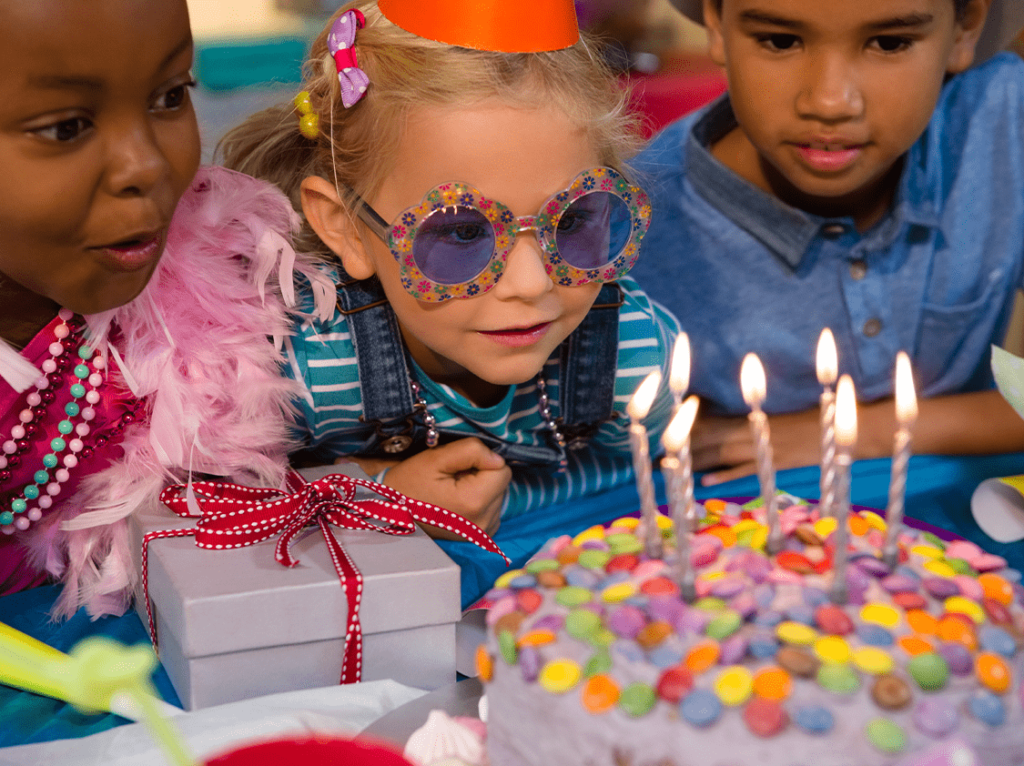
x=442, y=737
x=482, y=708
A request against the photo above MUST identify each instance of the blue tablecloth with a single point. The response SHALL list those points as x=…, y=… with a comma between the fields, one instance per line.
x=29, y=717
x=939, y=492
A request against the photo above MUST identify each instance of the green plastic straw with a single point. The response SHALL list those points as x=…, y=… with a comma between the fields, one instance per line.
x=101, y=670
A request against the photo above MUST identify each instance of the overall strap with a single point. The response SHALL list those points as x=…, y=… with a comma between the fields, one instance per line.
x=380, y=355
x=589, y=361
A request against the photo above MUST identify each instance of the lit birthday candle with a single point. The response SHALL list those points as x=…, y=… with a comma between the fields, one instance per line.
x=637, y=410
x=678, y=470
x=846, y=441
x=754, y=387
x=679, y=374
x=678, y=382
x=828, y=370
x=906, y=415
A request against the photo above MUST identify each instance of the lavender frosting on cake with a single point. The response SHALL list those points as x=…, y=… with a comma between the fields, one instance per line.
x=592, y=658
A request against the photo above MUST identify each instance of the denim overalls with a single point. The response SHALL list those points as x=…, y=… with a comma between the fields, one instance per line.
x=586, y=385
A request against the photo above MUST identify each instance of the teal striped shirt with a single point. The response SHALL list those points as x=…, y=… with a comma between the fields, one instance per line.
x=321, y=356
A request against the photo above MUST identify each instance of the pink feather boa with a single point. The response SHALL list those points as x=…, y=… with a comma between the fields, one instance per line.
x=199, y=344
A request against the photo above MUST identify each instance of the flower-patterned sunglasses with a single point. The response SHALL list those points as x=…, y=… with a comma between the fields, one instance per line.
x=455, y=243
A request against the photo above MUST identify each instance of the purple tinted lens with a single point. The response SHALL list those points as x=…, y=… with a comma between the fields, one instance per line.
x=453, y=245
x=593, y=230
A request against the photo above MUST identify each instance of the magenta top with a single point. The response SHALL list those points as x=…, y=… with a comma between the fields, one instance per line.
x=24, y=502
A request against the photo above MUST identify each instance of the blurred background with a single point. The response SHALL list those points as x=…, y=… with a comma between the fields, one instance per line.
x=249, y=55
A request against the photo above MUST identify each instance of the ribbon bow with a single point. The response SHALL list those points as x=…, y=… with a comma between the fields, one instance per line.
x=235, y=516
x=351, y=78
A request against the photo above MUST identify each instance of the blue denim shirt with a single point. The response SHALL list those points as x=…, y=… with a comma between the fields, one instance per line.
x=935, y=277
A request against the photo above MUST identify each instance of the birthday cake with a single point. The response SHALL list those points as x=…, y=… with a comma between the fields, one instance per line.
x=593, y=658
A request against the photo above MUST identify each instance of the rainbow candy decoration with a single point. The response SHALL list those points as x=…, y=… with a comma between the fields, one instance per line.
x=593, y=625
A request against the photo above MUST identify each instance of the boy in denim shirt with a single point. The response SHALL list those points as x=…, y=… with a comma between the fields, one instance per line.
x=859, y=175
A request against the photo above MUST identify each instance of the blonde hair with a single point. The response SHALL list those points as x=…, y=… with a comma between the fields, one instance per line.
x=356, y=147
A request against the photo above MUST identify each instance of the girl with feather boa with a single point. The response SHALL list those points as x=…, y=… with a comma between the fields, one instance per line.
x=142, y=304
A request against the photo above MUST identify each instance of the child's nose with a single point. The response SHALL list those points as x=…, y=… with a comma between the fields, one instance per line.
x=830, y=91
x=525, y=276
x=135, y=162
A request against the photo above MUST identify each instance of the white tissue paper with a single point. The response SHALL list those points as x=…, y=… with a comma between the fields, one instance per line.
x=332, y=710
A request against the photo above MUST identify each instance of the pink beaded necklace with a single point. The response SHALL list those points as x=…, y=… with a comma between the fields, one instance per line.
x=19, y=507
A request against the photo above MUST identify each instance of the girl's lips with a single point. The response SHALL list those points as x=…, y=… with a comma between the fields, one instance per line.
x=520, y=336
x=828, y=159
x=131, y=255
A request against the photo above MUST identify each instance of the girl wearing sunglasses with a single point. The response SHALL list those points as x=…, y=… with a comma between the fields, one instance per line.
x=478, y=223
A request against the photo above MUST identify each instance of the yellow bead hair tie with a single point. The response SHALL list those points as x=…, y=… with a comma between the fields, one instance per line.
x=309, y=123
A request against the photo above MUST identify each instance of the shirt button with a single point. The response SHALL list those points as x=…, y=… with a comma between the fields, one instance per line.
x=858, y=269
x=833, y=229
x=397, y=443
x=872, y=327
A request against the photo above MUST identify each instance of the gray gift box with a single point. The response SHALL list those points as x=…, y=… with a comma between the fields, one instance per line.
x=235, y=624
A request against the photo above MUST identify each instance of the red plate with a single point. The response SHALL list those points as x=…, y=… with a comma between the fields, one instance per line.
x=312, y=750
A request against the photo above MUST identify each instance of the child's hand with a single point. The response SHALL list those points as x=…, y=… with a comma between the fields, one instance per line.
x=463, y=476
x=727, y=444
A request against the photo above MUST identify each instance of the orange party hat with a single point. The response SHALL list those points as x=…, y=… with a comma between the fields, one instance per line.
x=509, y=26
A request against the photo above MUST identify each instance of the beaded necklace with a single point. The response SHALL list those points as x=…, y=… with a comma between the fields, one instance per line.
x=19, y=508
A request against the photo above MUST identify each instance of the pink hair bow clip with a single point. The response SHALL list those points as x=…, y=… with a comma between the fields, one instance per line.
x=340, y=42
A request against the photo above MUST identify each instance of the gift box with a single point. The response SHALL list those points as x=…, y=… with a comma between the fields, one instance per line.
x=235, y=624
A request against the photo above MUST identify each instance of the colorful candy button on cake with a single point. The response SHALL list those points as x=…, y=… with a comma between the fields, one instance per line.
x=610, y=666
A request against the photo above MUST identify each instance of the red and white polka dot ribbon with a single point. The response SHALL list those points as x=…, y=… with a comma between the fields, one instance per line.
x=235, y=516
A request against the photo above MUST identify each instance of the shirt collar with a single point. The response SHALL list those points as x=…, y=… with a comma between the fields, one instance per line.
x=787, y=231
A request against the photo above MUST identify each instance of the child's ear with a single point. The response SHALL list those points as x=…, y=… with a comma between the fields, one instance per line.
x=713, y=23
x=333, y=223
x=968, y=32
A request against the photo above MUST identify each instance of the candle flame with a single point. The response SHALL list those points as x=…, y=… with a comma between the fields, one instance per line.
x=752, y=380
x=678, y=430
x=846, y=413
x=906, y=398
x=679, y=376
x=828, y=362
x=643, y=398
